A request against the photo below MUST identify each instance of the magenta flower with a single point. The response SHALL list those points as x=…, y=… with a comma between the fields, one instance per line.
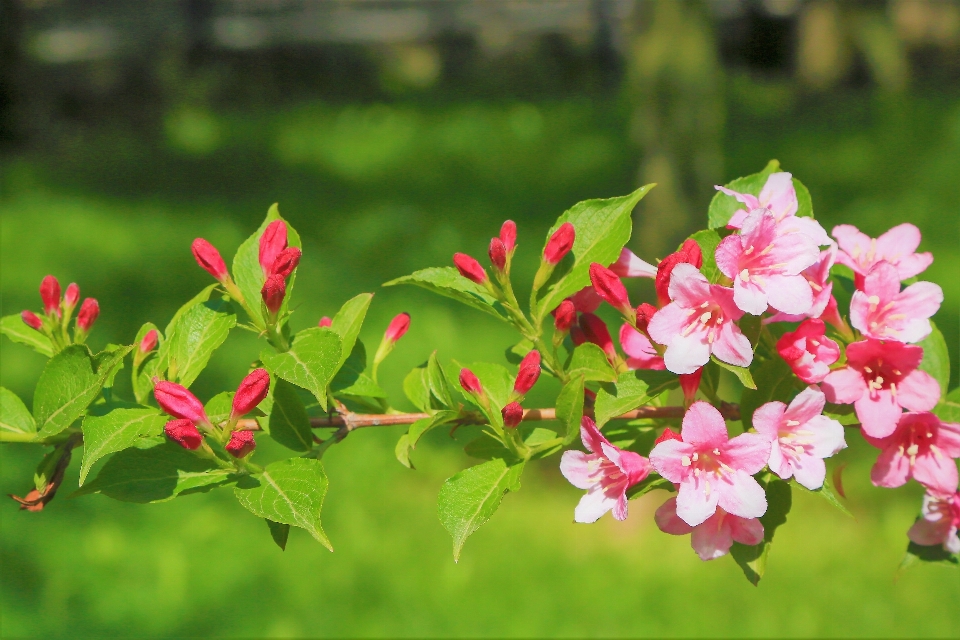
x=713, y=537
x=923, y=448
x=801, y=437
x=880, y=310
x=766, y=266
x=606, y=472
x=808, y=351
x=939, y=521
x=879, y=379
x=818, y=277
x=712, y=469
x=639, y=350
x=897, y=246
x=700, y=321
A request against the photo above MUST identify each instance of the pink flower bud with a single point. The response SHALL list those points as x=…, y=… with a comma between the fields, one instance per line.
x=50, y=294
x=149, y=341
x=209, y=259
x=564, y=316
x=251, y=392
x=178, y=402
x=89, y=311
x=72, y=295
x=287, y=260
x=595, y=331
x=325, y=321
x=689, y=253
x=469, y=268
x=528, y=374
x=508, y=235
x=498, y=254
x=398, y=327
x=644, y=315
x=609, y=287
x=690, y=383
x=272, y=242
x=668, y=434
x=559, y=243
x=470, y=382
x=31, y=319
x=184, y=433
x=273, y=292
x=241, y=444
x=512, y=415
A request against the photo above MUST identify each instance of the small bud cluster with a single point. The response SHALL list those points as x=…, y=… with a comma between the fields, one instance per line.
x=57, y=313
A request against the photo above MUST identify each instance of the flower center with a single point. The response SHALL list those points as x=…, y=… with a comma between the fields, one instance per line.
x=880, y=376
x=706, y=466
x=708, y=318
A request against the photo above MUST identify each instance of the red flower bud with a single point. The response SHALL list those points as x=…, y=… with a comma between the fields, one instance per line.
x=608, y=286
x=273, y=292
x=470, y=382
x=498, y=254
x=251, y=392
x=469, y=268
x=31, y=319
x=512, y=415
x=72, y=295
x=564, y=316
x=89, y=311
x=184, y=433
x=690, y=253
x=577, y=336
x=595, y=331
x=325, y=321
x=398, y=327
x=668, y=434
x=272, y=242
x=209, y=259
x=287, y=260
x=241, y=444
x=559, y=243
x=50, y=294
x=508, y=235
x=690, y=382
x=149, y=341
x=528, y=374
x=178, y=402
x=644, y=315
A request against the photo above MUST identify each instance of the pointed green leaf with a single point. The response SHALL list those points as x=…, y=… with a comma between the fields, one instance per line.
x=116, y=431
x=218, y=407
x=197, y=334
x=14, y=328
x=351, y=379
x=448, y=282
x=753, y=559
x=742, y=373
x=722, y=207
x=569, y=407
x=402, y=451
x=632, y=389
x=591, y=362
x=651, y=483
x=417, y=388
x=828, y=493
x=347, y=323
x=310, y=363
x=289, y=422
x=437, y=379
x=936, y=358
x=420, y=427
x=14, y=415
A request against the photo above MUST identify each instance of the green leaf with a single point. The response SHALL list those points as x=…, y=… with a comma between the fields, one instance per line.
x=569, y=407
x=437, y=379
x=948, y=410
x=200, y=298
x=468, y=499
x=488, y=447
x=288, y=492
x=402, y=451
x=347, y=324
x=351, y=379
x=310, y=363
x=753, y=559
x=14, y=415
x=774, y=383
x=67, y=386
x=218, y=407
x=14, y=328
x=722, y=207
x=591, y=362
x=804, y=201
x=828, y=493
x=936, y=358
x=155, y=474
x=417, y=388
x=448, y=282
x=247, y=272
x=926, y=553
x=742, y=373
x=196, y=335
x=651, y=483
x=515, y=353
x=289, y=422
x=602, y=228
x=420, y=427
x=116, y=431
x=708, y=240
x=279, y=533
x=632, y=389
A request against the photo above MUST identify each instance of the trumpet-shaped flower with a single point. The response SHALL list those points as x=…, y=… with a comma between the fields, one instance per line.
x=897, y=246
x=629, y=265
x=818, y=277
x=700, y=321
x=604, y=471
x=939, y=521
x=639, y=350
x=713, y=537
x=881, y=378
x=712, y=469
x=880, y=310
x=801, y=437
x=922, y=448
x=809, y=351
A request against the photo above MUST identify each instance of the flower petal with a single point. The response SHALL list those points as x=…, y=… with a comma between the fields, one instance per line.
x=582, y=470
x=748, y=452
x=668, y=521
x=666, y=459
x=732, y=346
x=768, y=418
x=703, y=426
x=742, y=495
x=844, y=386
x=694, y=504
x=685, y=354
x=593, y=505
x=938, y=473
x=918, y=391
x=748, y=531
x=878, y=413
x=790, y=294
x=810, y=471
x=712, y=539
x=891, y=469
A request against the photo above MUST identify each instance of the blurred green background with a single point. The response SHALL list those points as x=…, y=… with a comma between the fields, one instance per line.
x=393, y=134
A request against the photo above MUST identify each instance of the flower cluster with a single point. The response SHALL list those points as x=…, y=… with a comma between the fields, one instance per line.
x=58, y=311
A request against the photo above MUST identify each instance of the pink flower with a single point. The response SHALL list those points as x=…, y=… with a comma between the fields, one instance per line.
x=800, y=436
x=184, y=433
x=149, y=341
x=639, y=350
x=938, y=522
x=712, y=469
x=923, y=448
x=628, y=265
x=766, y=265
x=689, y=253
x=564, y=316
x=498, y=254
x=818, y=277
x=50, y=294
x=713, y=537
x=880, y=310
x=700, y=321
x=808, y=351
x=879, y=379
x=897, y=246
x=508, y=235
x=605, y=472
x=325, y=321
x=71, y=296
x=177, y=401
x=273, y=292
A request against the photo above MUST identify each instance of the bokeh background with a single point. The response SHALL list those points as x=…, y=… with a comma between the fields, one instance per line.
x=394, y=133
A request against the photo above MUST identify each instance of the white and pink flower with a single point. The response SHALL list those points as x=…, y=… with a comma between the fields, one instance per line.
x=922, y=448
x=640, y=351
x=809, y=351
x=897, y=246
x=713, y=537
x=880, y=310
x=818, y=277
x=939, y=521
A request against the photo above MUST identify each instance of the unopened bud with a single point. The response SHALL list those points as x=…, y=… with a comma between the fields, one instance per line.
x=287, y=260
x=272, y=242
x=498, y=254
x=512, y=415
x=528, y=373
x=149, y=341
x=644, y=315
x=273, y=292
x=251, y=392
x=325, y=321
x=690, y=253
x=398, y=327
x=559, y=244
x=31, y=319
x=209, y=259
x=241, y=444
x=184, y=433
x=577, y=336
x=71, y=296
x=89, y=311
x=609, y=287
x=690, y=383
x=50, y=294
x=564, y=316
x=469, y=268
x=177, y=401
x=595, y=331
x=668, y=434
x=470, y=382
x=508, y=235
